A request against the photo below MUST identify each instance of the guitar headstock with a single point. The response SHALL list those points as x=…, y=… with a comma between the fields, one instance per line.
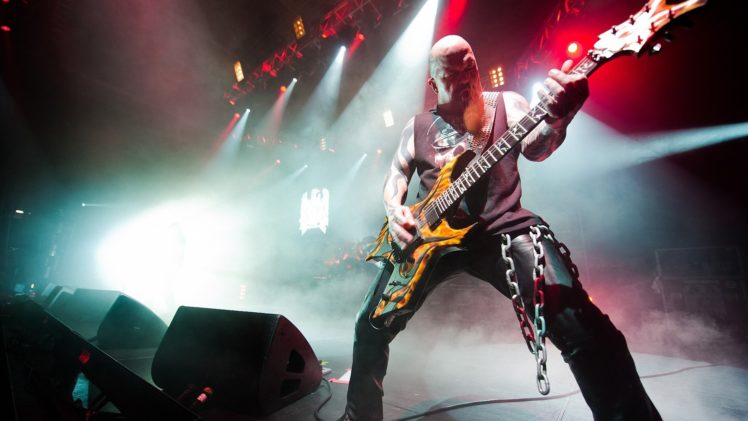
x=636, y=34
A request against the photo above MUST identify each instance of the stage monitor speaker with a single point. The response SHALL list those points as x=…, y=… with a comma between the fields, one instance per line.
x=51, y=293
x=44, y=358
x=109, y=319
x=255, y=363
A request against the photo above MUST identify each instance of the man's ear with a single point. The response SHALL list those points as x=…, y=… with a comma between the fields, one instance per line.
x=432, y=84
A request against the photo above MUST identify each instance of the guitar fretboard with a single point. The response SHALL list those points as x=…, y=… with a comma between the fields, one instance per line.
x=435, y=210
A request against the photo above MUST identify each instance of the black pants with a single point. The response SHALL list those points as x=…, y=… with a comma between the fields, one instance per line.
x=594, y=349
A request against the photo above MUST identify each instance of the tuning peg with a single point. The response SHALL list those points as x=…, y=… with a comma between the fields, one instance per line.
x=655, y=49
x=631, y=19
x=646, y=7
x=613, y=30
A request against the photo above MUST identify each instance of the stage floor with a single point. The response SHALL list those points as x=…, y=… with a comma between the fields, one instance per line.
x=428, y=374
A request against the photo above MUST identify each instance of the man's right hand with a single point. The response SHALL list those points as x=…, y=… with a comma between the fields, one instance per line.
x=401, y=225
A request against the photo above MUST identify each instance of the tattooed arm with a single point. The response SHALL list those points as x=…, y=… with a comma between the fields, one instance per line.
x=540, y=143
x=569, y=93
x=396, y=188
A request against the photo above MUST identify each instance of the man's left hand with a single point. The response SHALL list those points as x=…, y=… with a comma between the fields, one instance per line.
x=569, y=91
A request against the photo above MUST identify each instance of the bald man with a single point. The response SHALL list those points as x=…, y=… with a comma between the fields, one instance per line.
x=594, y=349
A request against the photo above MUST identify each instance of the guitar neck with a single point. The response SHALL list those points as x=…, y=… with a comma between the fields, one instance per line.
x=435, y=210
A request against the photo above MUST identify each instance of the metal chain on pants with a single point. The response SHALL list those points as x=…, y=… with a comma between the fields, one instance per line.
x=534, y=334
x=538, y=301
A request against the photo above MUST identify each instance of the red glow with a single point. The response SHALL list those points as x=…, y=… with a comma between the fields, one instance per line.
x=328, y=33
x=84, y=356
x=451, y=18
x=5, y=28
x=574, y=49
x=357, y=40
x=283, y=88
x=225, y=133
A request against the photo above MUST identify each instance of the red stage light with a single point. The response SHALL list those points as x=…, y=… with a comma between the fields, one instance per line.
x=451, y=17
x=5, y=28
x=283, y=88
x=574, y=49
x=357, y=40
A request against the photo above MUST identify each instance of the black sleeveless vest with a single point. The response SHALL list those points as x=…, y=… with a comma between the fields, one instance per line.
x=494, y=202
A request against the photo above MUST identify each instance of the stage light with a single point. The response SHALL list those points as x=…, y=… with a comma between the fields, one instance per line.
x=496, y=77
x=606, y=150
x=298, y=28
x=659, y=145
x=179, y=249
x=277, y=162
x=357, y=40
x=20, y=211
x=451, y=17
x=574, y=49
x=283, y=88
x=389, y=119
x=238, y=72
x=400, y=74
x=291, y=85
x=226, y=146
x=5, y=28
x=347, y=179
x=320, y=108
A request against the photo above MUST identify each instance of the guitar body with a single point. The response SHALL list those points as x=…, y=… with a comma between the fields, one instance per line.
x=411, y=267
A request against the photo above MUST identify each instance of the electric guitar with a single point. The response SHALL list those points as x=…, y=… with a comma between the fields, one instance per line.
x=434, y=236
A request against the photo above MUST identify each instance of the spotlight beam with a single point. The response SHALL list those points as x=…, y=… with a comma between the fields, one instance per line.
x=229, y=142
x=660, y=145
x=401, y=74
x=594, y=148
x=319, y=109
